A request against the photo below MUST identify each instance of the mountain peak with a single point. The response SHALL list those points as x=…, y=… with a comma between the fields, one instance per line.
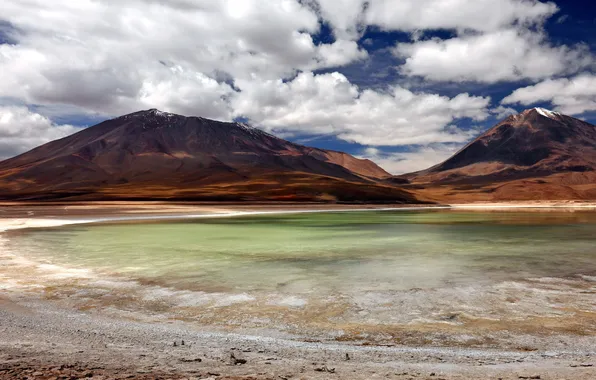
x=158, y=113
x=536, y=154
x=153, y=154
x=543, y=112
x=536, y=140
x=153, y=112
x=532, y=113
x=154, y=118
x=540, y=111
x=547, y=113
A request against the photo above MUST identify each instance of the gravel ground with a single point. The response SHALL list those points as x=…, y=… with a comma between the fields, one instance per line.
x=40, y=341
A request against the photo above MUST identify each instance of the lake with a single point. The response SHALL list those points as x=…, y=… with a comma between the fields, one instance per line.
x=378, y=277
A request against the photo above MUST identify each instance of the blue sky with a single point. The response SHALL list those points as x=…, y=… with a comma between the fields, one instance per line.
x=404, y=83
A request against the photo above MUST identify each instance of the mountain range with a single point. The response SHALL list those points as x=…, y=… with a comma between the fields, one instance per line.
x=153, y=155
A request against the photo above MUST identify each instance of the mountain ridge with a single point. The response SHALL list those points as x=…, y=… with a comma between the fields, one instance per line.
x=534, y=147
x=188, y=158
x=146, y=155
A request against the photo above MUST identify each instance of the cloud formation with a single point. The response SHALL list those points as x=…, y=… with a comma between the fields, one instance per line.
x=415, y=159
x=330, y=104
x=572, y=96
x=349, y=18
x=133, y=54
x=503, y=55
x=21, y=130
x=189, y=56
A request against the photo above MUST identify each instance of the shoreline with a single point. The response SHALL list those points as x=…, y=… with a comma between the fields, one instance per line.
x=39, y=336
x=8, y=224
x=102, y=212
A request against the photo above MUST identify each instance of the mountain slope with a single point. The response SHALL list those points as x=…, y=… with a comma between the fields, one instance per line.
x=537, y=154
x=157, y=155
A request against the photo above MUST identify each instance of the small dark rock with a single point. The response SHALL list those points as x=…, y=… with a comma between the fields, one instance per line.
x=196, y=360
x=236, y=361
x=325, y=369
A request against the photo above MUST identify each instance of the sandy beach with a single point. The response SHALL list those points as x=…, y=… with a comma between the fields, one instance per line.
x=44, y=339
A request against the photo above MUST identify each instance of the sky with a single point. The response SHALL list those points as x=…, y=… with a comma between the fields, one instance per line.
x=405, y=83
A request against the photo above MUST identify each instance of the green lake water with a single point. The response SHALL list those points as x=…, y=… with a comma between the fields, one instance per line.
x=345, y=268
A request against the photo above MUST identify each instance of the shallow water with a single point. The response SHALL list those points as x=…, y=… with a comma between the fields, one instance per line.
x=356, y=275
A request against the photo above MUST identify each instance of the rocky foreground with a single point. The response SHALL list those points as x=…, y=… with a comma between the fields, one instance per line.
x=41, y=341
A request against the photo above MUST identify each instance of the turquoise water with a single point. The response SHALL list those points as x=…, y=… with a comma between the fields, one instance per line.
x=399, y=250
x=374, y=267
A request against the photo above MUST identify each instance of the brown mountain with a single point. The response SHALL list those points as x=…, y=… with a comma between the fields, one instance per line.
x=157, y=155
x=537, y=154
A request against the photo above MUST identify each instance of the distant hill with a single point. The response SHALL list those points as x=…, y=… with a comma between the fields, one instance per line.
x=537, y=154
x=158, y=155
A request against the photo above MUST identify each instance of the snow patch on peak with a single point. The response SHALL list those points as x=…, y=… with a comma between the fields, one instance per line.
x=157, y=112
x=252, y=130
x=150, y=114
x=245, y=126
x=547, y=113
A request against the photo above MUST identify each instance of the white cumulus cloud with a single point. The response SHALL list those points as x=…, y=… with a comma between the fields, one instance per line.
x=330, y=104
x=22, y=129
x=572, y=96
x=414, y=159
x=503, y=55
x=116, y=57
x=480, y=15
x=349, y=18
